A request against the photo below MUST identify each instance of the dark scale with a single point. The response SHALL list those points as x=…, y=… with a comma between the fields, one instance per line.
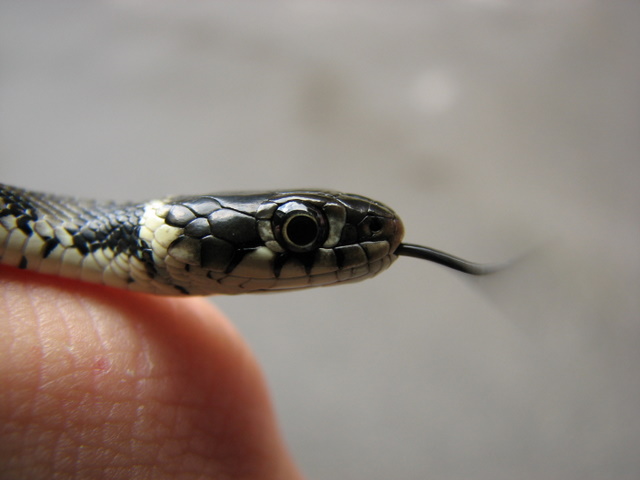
x=216, y=254
x=16, y=204
x=24, y=224
x=218, y=232
x=350, y=256
x=236, y=228
x=49, y=245
x=115, y=229
x=201, y=206
x=179, y=216
x=81, y=244
x=145, y=255
x=186, y=250
x=306, y=259
x=197, y=228
x=242, y=203
x=236, y=258
x=124, y=237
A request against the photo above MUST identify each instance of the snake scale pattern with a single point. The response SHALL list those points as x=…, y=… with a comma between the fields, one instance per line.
x=208, y=244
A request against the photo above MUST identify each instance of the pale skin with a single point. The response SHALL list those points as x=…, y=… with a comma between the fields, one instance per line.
x=98, y=383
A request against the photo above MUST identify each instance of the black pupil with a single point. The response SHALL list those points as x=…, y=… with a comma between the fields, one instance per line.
x=302, y=230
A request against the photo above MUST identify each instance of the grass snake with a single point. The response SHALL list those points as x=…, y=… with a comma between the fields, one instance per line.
x=226, y=243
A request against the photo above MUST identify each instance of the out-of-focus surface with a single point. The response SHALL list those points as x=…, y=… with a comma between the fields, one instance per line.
x=492, y=127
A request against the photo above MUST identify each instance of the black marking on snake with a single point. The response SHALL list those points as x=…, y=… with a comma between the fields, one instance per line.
x=49, y=245
x=19, y=208
x=201, y=206
x=241, y=203
x=179, y=216
x=350, y=256
x=23, y=262
x=237, y=228
x=236, y=259
x=16, y=209
x=121, y=239
x=81, y=244
x=307, y=260
x=340, y=257
x=216, y=254
x=349, y=235
x=89, y=236
x=197, y=228
x=146, y=257
x=23, y=223
x=366, y=254
x=278, y=263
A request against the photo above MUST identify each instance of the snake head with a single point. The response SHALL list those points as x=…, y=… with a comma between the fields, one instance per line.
x=325, y=238
x=243, y=243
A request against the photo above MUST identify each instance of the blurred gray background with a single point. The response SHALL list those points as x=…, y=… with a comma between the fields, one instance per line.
x=493, y=127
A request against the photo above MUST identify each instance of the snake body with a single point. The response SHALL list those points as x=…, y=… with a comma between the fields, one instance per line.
x=201, y=245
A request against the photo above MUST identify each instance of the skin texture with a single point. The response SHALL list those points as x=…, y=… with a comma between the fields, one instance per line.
x=98, y=383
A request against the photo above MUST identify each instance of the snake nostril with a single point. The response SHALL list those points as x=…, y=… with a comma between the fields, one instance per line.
x=376, y=225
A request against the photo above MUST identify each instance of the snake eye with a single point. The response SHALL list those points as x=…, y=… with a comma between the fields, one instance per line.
x=299, y=227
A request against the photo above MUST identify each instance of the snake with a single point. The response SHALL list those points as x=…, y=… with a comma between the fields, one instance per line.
x=227, y=243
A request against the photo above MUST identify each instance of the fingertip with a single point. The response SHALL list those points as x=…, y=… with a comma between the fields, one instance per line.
x=140, y=384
